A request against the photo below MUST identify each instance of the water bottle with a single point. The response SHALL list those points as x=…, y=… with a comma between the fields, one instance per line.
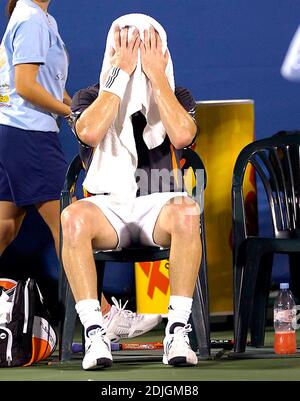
x=284, y=321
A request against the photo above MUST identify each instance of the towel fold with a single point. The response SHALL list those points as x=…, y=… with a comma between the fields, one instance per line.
x=115, y=158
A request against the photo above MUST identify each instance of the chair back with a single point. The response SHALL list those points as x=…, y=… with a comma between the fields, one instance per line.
x=276, y=160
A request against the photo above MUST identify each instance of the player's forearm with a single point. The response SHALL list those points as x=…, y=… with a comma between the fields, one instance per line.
x=38, y=96
x=96, y=120
x=179, y=125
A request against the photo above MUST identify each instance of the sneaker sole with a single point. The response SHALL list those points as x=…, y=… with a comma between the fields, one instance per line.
x=178, y=361
x=102, y=363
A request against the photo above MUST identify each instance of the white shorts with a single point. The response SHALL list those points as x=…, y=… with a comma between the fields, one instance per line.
x=136, y=228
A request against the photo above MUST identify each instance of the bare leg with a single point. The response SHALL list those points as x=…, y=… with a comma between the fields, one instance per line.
x=11, y=218
x=178, y=225
x=84, y=227
x=105, y=305
x=50, y=212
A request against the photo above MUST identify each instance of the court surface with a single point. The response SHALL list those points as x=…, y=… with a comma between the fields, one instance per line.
x=134, y=366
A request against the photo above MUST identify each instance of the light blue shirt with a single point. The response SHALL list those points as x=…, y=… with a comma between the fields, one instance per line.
x=31, y=37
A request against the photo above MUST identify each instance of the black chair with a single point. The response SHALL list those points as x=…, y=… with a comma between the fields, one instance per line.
x=276, y=160
x=200, y=339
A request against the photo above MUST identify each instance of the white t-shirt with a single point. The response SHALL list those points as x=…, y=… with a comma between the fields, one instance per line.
x=31, y=36
x=291, y=66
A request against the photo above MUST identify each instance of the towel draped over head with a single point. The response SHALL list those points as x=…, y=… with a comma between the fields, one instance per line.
x=138, y=95
x=117, y=150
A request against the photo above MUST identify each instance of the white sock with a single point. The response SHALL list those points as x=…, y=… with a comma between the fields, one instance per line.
x=89, y=312
x=178, y=312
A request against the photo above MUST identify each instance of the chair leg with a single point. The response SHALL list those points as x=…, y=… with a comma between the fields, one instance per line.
x=260, y=305
x=243, y=307
x=62, y=287
x=67, y=326
x=100, y=265
x=62, y=282
x=238, y=270
x=68, y=314
x=200, y=337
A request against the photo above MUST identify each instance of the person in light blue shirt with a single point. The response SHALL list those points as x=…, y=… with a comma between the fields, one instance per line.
x=29, y=24
x=33, y=74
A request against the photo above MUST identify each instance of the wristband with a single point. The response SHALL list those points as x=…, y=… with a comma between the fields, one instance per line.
x=116, y=82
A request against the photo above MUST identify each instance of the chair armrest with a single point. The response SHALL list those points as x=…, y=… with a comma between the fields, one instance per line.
x=70, y=181
x=194, y=161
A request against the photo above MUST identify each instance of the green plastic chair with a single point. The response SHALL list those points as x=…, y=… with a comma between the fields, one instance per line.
x=276, y=160
x=200, y=339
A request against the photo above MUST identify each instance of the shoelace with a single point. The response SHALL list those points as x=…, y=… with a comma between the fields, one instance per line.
x=183, y=333
x=179, y=337
x=184, y=330
x=98, y=333
x=126, y=312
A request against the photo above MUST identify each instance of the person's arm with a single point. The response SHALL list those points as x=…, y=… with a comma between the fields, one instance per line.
x=67, y=98
x=28, y=88
x=31, y=45
x=94, y=122
x=180, y=126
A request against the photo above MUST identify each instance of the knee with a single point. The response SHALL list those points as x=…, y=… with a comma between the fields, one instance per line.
x=8, y=233
x=74, y=223
x=185, y=219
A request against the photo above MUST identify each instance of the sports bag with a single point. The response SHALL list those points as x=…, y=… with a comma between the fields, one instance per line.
x=26, y=335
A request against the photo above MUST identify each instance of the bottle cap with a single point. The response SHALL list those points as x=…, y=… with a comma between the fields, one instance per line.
x=284, y=286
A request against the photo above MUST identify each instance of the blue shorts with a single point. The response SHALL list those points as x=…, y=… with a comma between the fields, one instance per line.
x=32, y=166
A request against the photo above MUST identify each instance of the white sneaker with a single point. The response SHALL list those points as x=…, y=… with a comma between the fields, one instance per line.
x=97, y=349
x=122, y=323
x=177, y=349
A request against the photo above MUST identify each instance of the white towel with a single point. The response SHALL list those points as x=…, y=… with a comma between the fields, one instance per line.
x=115, y=158
x=139, y=96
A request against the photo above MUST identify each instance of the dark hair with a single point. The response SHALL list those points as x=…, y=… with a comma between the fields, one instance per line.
x=11, y=6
